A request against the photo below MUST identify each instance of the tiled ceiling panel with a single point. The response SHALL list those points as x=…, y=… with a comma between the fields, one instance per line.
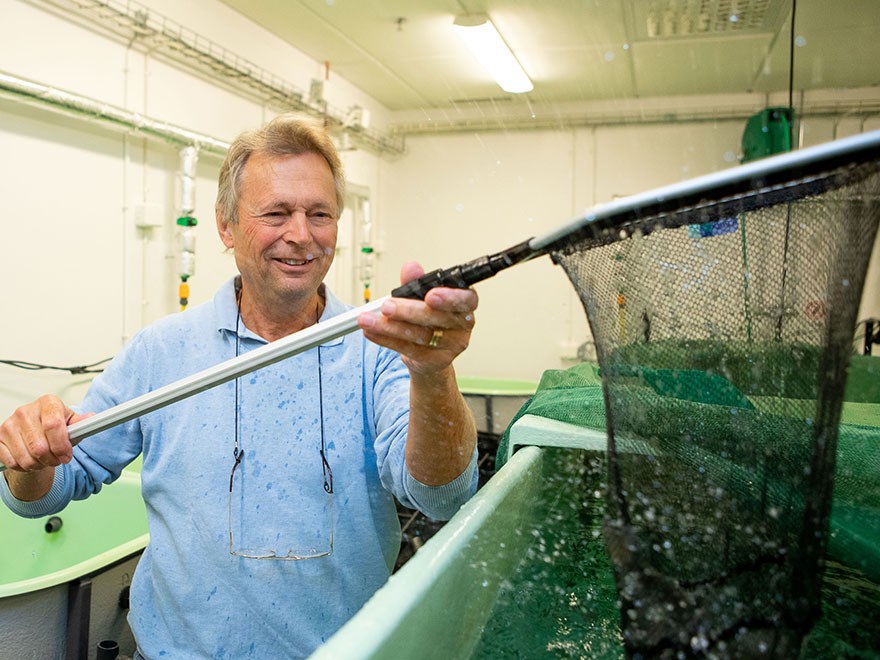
x=405, y=54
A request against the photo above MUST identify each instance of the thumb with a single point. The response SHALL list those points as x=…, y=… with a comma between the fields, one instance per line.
x=411, y=270
x=73, y=418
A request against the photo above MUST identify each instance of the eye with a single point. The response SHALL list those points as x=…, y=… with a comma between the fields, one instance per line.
x=321, y=216
x=273, y=217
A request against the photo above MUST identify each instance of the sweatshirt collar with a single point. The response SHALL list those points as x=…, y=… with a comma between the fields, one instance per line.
x=226, y=310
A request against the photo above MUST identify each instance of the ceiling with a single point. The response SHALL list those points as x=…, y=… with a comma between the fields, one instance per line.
x=404, y=52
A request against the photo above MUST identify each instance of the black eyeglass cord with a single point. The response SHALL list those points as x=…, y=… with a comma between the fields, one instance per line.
x=325, y=465
x=237, y=452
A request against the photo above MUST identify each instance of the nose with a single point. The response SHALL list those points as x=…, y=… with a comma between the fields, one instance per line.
x=296, y=229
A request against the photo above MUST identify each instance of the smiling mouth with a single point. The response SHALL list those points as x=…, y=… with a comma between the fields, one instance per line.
x=297, y=262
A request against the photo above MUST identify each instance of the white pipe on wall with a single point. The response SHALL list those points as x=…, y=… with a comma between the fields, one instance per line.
x=82, y=107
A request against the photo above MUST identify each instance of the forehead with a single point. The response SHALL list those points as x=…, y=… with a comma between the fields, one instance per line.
x=290, y=175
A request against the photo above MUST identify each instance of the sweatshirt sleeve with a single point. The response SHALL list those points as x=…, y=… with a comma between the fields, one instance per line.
x=99, y=459
x=391, y=418
x=52, y=502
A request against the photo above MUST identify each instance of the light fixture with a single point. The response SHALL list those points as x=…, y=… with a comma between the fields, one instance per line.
x=481, y=37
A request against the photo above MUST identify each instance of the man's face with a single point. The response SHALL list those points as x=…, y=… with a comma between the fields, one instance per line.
x=285, y=237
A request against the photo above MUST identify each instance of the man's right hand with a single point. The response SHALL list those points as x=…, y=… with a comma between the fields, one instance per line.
x=33, y=440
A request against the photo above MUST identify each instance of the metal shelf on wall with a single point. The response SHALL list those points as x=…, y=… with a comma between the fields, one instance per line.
x=164, y=38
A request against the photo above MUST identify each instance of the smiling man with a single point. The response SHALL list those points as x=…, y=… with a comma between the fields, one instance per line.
x=270, y=499
x=284, y=238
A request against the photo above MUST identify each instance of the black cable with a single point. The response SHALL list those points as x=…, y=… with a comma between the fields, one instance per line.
x=33, y=366
x=790, y=148
x=791, y=78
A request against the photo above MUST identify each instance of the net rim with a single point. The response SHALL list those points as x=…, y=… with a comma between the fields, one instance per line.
x=766, y=173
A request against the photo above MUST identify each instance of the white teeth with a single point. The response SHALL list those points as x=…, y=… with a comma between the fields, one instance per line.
x=298, y=262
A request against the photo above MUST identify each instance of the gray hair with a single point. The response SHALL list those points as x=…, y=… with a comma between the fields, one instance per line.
x=286, y=135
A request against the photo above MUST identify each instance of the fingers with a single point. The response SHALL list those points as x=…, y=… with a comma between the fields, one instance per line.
x=415, y=321
x=429, y=334
x=457, y=301
x=404, y=337
x=447, y=309
x=36, y=437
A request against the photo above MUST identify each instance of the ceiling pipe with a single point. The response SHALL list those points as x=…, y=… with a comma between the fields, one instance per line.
x=161, y=37
x=536, y=121
x=81, y=107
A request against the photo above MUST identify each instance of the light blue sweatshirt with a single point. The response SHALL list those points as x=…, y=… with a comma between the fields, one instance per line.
x=190, y=598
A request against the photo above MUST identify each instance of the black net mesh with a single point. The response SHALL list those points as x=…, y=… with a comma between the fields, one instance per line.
x=723, y=332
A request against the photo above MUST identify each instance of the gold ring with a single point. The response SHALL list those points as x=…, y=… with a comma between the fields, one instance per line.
x=435, y=338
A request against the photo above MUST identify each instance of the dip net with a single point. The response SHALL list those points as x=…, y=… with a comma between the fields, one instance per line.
x=723, y=329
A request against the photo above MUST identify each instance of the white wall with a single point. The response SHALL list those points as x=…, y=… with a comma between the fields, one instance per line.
x=454, y=197
x=80, y=278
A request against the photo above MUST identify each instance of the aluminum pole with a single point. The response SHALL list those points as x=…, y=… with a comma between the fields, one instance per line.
x=271, y=353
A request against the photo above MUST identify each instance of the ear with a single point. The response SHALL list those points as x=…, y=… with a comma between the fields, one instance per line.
x=224, y=228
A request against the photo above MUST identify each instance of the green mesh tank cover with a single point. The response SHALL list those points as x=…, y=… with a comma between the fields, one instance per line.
x=726, y=352
x=575, y=396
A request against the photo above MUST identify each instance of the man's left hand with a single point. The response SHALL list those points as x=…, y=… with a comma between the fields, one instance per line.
x=429, y=334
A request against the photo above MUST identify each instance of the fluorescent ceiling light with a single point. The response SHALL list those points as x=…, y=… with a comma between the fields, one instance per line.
x=480, y=35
